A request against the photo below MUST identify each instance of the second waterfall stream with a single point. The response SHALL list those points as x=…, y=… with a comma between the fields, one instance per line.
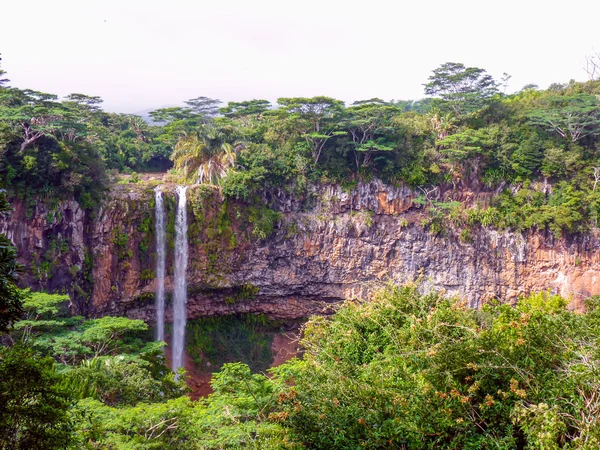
x=180, y=282
x=161, y=254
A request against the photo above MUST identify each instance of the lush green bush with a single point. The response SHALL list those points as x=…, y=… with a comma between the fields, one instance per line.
x=264, y=221
x=234, y=416
x=412, y=371
x=33, y=404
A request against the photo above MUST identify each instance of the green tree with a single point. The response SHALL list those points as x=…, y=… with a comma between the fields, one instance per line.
x=120, y=380
x=369, y=123
x=464, y=89
x=70, y=340
x=205, y=107
x=316, y=119
x=33, y=405
x=424, y=372
x=41, y=314
x=572, y=117
x=441, y=123
x=207, y=155
x=36, y=115
x=87, y=103
x=168, y=115
x=244, y=110
x=3, y=81
x=236, y=415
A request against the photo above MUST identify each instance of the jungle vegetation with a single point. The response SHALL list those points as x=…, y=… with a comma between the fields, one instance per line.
x=404, y=370
x=536, y=150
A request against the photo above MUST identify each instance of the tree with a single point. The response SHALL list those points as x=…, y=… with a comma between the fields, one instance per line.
x=139, y=127
x=170, y=125
x=529, y=87
x=3, y=80
x=371, y=101
x=369, y=123
x=41, y=312
x=572, y=117
x=33, y=406
x=316, y=119
x=592, y=66
x=37, y=114
x=468, y=151
x=118, y=380
x=245, y=111
x=246, y=108
x=464, y=89
x=424, y=372
x=85, y=102
x=107, y=335
x=49, y=328
x=168, y=115
x=442, y=124
x=207, y=108
x=207, y=155
x=504, y=81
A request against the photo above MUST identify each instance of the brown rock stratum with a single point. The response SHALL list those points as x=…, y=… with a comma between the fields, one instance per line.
x=329, y=245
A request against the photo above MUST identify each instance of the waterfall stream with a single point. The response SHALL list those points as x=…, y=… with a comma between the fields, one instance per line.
x=180, y=285
x=161, y=250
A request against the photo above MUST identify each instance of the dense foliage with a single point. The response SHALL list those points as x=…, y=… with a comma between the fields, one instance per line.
x=33, y=405
x=536, y=151
x=68, y=382
x=412, y=371
x=403, y=371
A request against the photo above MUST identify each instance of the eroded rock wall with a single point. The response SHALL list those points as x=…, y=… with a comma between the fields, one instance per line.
x=327, y=246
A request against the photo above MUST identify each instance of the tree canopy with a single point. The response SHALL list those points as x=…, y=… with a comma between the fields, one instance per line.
x=463, y=89
x=464, y=135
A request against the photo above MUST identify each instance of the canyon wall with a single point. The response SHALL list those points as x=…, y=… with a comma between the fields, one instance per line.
x=323, y=247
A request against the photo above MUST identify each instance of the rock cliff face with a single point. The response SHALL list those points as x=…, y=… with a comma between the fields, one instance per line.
x=324, y=247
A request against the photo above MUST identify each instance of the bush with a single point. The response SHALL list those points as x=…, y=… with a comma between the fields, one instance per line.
x=413, y=371
x=264, y=220
x=33, y=405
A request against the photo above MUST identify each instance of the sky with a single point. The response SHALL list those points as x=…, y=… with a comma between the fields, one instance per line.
x=140, y=55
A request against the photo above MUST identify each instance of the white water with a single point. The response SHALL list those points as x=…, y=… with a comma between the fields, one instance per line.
x=180, y=288
x=161, y=251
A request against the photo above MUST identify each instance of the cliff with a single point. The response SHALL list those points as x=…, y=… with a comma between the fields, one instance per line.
x=321, y=248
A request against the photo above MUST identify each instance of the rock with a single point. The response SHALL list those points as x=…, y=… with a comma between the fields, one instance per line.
x=345, y=245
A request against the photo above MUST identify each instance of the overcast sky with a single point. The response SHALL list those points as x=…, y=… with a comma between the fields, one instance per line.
x=140, y=54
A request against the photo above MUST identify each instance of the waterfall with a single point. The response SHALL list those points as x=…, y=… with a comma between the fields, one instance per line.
x=161, y=250
x=180, y=285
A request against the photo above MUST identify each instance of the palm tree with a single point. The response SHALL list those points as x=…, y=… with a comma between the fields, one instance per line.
x=442, y=124
x=139, y=127
x=207, y=155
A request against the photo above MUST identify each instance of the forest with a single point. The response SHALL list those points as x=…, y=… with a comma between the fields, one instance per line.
x=407, y=369
x=536, y=150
